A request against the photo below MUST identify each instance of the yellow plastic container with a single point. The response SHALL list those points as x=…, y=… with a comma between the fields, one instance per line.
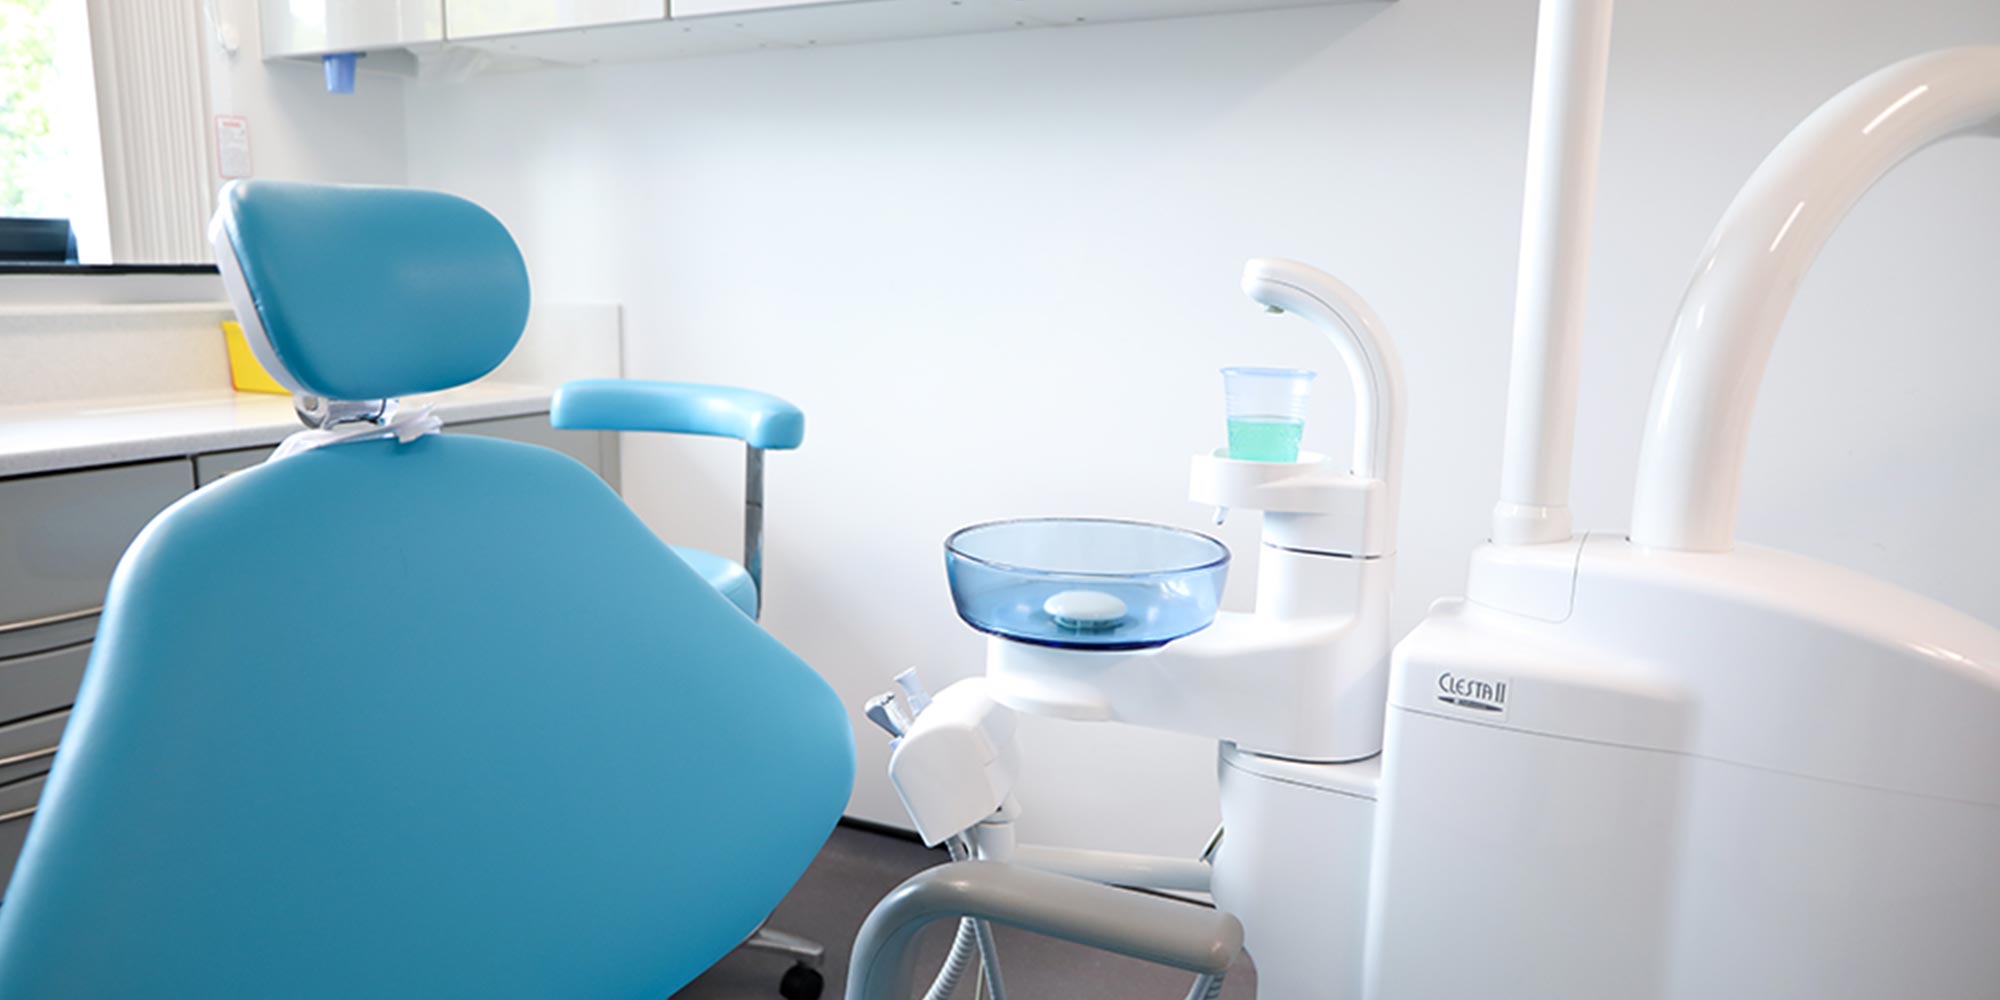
x=244, y=371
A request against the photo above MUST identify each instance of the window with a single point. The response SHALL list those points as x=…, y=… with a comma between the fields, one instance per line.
x=51, y=161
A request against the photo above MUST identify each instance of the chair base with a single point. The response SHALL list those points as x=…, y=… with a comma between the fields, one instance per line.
x=803, y=981
x=766, y=938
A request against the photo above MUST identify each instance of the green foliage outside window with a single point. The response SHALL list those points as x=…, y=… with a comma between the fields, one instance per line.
x=27, y=75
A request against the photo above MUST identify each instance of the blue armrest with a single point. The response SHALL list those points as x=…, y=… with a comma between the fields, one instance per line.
x=758, y=419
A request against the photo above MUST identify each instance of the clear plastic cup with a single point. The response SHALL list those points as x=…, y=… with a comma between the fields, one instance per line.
x=1267, y=412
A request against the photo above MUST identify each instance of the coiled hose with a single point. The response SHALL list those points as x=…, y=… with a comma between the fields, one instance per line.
x=973, y=935
x=1206, y=988
x=963, y=945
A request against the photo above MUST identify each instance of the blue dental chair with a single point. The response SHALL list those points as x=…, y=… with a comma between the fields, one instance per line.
x=411, y=714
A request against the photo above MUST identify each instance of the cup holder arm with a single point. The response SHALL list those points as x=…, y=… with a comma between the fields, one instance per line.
x=1309, y=505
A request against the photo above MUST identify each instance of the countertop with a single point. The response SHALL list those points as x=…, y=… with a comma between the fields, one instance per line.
x=47, y=437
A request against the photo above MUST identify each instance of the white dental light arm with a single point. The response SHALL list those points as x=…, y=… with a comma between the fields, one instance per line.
x=1691, y=462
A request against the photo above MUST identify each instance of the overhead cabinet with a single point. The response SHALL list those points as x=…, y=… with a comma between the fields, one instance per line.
x=576, y=32
x=858, y=20
x=488, y=18
x=709, y=8
x=319, y=27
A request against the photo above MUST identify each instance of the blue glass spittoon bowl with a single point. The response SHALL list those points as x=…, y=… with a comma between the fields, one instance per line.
x=1085, y=583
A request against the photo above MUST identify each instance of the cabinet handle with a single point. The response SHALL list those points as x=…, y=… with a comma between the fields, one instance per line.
x=67, y=616
x=22, y=758
x=17, y=814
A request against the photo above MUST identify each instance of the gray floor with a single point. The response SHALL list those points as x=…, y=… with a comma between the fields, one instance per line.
x=858, y=867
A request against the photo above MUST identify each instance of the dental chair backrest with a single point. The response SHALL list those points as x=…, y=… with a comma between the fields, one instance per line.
x=424, y=718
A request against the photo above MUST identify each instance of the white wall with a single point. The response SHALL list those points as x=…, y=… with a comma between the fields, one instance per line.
x=298, y=131
x=999, y=273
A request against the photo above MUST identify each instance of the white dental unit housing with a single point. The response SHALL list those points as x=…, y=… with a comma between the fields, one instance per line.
x=1655, y=765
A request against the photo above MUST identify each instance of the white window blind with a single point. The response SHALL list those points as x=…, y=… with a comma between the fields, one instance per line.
x=152, y=107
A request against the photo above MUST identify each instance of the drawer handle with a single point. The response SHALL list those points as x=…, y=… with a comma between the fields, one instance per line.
x=67, y=616
x=23, y=758
x=17, y=814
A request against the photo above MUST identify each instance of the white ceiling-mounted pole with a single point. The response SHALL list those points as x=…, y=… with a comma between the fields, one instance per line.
x=1572, y=46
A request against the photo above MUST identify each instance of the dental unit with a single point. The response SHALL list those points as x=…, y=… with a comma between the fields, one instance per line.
x=406, y=710
x=1655, y=764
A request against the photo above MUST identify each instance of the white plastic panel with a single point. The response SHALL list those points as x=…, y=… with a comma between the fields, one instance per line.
x=1517, y=866
x=486, y=18
x=316, y=27
x=1511, y=865
x=1293, y=866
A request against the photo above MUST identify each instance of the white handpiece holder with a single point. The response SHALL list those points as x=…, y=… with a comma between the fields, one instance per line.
x=955, y=765
x=1306, y=675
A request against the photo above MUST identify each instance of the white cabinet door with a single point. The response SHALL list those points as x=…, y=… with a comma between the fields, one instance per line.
x=704, y=8
x=485, y=18
x=832, y=22
x=316, y=27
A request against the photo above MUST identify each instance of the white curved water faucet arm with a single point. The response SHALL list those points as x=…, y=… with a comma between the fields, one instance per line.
x=1356, y=332
x=1691, y=462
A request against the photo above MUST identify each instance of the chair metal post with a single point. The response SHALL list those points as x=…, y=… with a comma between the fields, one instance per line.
x=807, y=953
x=753, y=520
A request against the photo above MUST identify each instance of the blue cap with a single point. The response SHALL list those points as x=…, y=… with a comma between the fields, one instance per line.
x=339, y=72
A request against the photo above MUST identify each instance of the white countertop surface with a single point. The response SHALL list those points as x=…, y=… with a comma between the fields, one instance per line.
x=46, y=437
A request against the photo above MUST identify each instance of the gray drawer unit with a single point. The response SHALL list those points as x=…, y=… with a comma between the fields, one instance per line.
x=41, y=682
x=22, y=638
x=216, y=464
x=16, y=796
x=28, y=747
x=17, y=808
x=61, y=534
x=596, y=449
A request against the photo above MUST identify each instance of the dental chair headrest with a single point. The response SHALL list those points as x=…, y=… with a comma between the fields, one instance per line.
x=361, y=293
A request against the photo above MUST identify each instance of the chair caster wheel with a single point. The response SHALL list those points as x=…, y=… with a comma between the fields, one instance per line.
x=801, y=982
